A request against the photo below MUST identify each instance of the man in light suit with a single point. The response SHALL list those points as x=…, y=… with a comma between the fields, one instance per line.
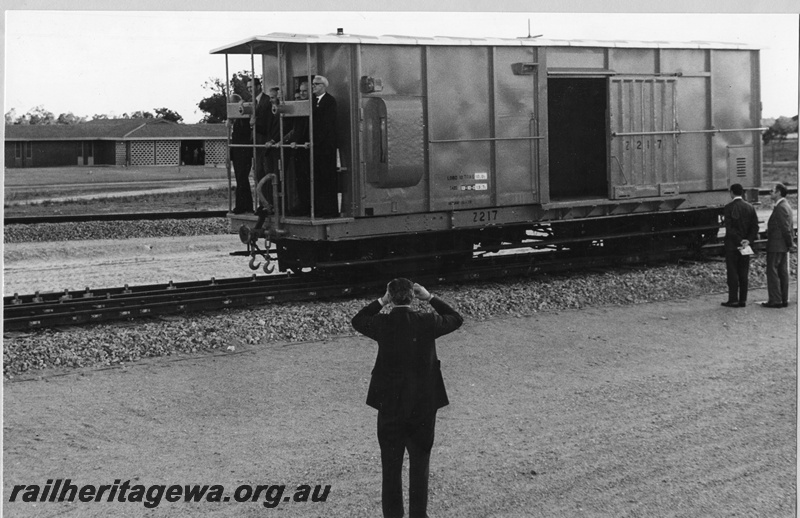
x=779, y=243
x=326, y=181
x=741, y=229
x=406, y=387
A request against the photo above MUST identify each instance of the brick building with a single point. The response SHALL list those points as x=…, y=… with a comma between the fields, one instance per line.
x=130, y=142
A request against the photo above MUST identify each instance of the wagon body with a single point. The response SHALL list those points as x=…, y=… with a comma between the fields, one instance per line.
x=439, y=134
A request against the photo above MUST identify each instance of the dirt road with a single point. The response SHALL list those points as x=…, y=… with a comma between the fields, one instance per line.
x=680, y=408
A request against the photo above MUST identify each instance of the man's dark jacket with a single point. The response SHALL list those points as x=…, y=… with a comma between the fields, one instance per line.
x=325, y=130
x=741, y=222
x=241, y=134
x=267, y=123
x=407, y=379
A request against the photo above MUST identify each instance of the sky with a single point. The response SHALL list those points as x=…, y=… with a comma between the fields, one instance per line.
x=111, y=62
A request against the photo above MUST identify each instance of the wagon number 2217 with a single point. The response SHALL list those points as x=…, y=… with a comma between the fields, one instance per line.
x=484, y=215
x=638, y=144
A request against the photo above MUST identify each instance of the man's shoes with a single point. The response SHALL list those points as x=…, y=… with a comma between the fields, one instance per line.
x=773, y=305
x=237, y=210
x=784, y=304
x=742, y=304
x=733, y=304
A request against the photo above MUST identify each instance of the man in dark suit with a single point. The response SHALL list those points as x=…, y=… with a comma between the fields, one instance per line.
x=326, y=182
x=741, y=230
x=406, y=387
x=263, y=121
x=273, y=155
x=299, y=134
x=779, y=243
x=242, y=159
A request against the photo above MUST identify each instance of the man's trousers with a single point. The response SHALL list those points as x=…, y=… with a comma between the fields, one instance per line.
x=242, y=160
x=778, y=277
x=738, y=269
x=395, y=436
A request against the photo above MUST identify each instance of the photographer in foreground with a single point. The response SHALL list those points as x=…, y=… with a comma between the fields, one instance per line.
x=406, y=387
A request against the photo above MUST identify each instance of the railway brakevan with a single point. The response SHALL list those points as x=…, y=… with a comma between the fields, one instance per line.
x=448, y=144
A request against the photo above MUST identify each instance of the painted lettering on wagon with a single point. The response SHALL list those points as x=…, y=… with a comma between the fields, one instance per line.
x=473, y=176
x=461, y=185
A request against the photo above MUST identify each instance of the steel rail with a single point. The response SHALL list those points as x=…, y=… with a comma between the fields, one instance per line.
x=39, y=311
x=789, y=190
x=132, y=216
x=69, y=308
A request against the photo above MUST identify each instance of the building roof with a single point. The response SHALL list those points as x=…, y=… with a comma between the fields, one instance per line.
x=115, y=129
x=267, y=43
x=178, y=131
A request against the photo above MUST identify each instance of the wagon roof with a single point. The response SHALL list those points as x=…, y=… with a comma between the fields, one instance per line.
x=264, y=44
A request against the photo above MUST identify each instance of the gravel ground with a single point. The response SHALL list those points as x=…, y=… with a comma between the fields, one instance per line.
x=679, y=408
x=88, y=256
x=50, y=232
x=114, y=344
x=621, y=393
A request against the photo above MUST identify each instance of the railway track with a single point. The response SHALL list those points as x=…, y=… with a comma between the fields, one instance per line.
x=46, y=310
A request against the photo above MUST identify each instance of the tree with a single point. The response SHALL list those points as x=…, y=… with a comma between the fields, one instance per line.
x=69, y=118
x=780, y=129
x=139, y=114
x=785, y=125
x=167, y=114
x=41, y=116
x=215, y=105
x=38, y=115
